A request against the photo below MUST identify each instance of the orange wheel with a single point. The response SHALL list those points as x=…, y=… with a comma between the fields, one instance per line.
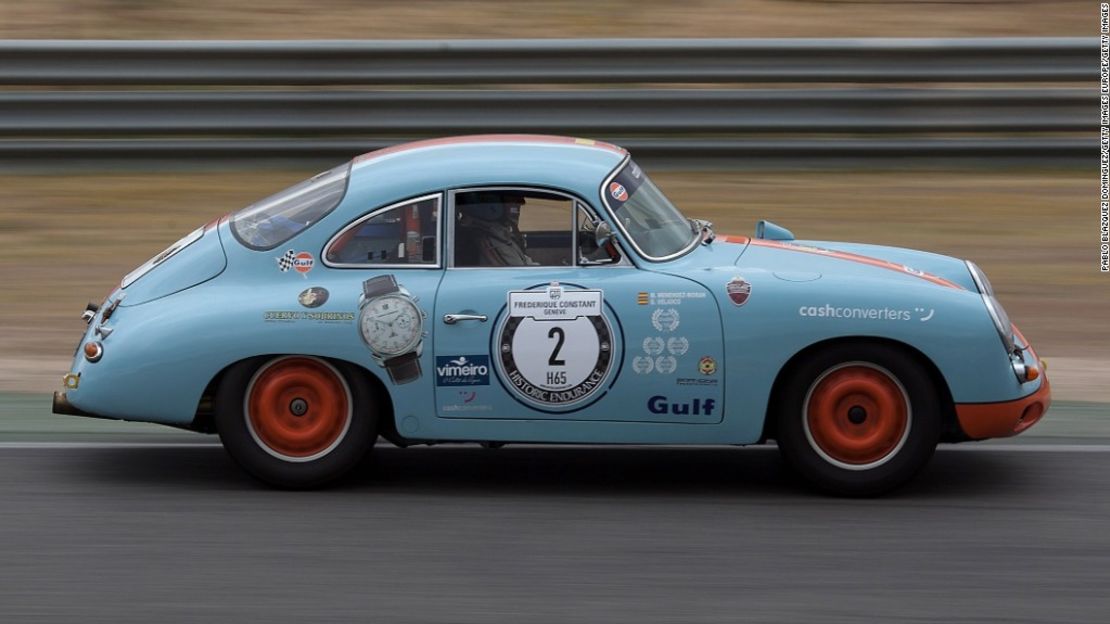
x=857, y=415
x=298, y=408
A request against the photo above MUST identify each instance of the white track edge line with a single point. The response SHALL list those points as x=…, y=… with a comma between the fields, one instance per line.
x=997, y=448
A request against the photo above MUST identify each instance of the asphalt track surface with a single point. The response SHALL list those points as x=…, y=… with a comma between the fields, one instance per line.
x=121, y=533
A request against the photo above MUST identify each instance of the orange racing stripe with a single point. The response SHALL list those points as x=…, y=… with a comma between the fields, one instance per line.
x=851, y=257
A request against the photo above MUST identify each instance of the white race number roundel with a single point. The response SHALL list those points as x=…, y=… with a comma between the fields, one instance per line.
x=555, y=346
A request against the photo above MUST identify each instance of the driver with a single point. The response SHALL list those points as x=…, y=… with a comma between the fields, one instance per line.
x=487, y=232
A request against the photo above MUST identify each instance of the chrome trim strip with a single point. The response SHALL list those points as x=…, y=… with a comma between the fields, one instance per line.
x=1006, y=334
x=373, y=213
x=978, y=277
x=162, y=256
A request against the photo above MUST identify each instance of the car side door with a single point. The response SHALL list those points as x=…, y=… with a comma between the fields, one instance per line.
x=568, y=332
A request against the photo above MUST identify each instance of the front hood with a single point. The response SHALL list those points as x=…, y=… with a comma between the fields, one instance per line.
x=824, y=257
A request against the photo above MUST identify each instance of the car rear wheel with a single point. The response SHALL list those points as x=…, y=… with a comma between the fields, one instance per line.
x=858, y=420
x=295, y=421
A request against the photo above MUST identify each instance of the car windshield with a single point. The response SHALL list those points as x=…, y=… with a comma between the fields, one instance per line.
x=656, y=228
x=274, y=220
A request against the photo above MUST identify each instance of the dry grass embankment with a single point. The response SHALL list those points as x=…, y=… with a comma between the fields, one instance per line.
x=496, y=19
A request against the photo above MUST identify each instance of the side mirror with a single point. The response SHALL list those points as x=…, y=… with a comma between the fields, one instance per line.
x=769, y=231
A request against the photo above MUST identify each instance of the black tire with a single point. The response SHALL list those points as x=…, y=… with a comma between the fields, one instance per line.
x=271, y=443
x=858, y=419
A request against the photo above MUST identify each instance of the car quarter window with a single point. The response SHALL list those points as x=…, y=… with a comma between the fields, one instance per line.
x=513, y=228
x=405, y=234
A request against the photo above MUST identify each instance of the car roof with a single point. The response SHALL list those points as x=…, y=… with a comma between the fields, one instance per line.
x=570, y=163
x=487, y=141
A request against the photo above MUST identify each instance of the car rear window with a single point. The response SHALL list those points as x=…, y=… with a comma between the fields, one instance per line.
x=268, y=223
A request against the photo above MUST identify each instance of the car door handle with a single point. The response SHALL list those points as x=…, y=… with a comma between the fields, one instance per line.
x=451, y=319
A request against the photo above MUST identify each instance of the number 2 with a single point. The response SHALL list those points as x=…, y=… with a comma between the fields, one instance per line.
x=561, y=337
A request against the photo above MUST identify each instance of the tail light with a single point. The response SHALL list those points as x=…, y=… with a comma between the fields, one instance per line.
x=93, y=351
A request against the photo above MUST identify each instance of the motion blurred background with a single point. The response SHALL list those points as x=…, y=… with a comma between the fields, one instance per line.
x=103, y=521
x=72, y=222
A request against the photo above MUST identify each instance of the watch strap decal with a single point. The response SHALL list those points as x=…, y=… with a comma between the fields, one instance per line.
x=380, y=285
x=403, y=368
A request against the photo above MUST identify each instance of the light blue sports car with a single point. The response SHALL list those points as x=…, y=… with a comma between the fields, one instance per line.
x=536, y=289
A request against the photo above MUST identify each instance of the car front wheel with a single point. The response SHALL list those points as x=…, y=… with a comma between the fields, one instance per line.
x=858, y=420
x=295, y=421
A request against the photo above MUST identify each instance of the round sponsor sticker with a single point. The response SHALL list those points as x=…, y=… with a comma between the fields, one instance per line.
x=555, y=346
x=313, y=297
x=738, y=290
x=303, y=262
x=618, y=191
x=707, y=365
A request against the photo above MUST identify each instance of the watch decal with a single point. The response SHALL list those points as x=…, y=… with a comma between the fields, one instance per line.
x=555, y=346
x=392, y=326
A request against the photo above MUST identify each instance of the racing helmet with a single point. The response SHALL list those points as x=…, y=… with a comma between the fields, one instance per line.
x=491, y=205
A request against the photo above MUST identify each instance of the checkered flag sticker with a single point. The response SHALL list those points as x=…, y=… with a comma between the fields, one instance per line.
x=285, y=262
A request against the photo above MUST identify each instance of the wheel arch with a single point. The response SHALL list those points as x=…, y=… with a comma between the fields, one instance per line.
x=204, y=420
x=951, y=431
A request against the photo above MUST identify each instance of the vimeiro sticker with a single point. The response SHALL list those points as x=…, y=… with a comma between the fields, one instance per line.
x=555, y=346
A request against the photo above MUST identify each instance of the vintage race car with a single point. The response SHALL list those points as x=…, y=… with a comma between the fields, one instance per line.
x=536, y=289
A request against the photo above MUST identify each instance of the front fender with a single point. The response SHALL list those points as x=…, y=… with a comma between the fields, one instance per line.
x=788, y=312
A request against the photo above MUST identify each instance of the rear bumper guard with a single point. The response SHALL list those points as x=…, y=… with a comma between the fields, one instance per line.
x=63, y=406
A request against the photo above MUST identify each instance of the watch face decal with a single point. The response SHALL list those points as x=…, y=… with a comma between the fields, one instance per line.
x=555, y=346
x=391, y=324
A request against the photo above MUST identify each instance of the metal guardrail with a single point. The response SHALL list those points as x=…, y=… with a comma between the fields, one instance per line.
x=623, y=112
x=529, y=61
x=673, y=151
x=881, y=117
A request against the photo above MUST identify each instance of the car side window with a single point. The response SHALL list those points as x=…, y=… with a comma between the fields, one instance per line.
x=405, y=234
x=513, y=228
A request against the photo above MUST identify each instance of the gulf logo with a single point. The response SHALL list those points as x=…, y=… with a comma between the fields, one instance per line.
x=303, y=262
x=618, y=192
